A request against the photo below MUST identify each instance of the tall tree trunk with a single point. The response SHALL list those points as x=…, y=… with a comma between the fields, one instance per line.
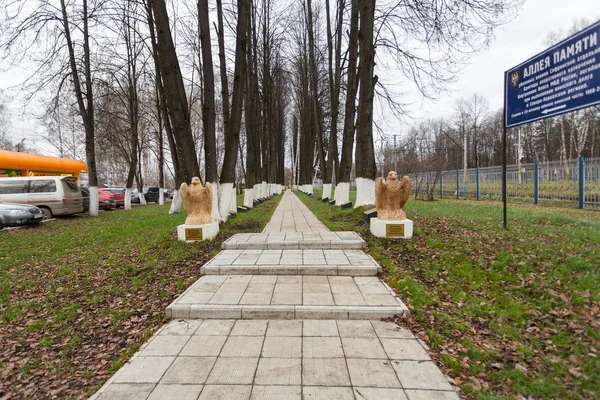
x=343, y=178
x=174, y=92
x=233, y=131
x=208, y=105
x=133, y=105
x=295, y=150
x=85, y=99
x=250, y=116
x=332, y=164
x=366, y=169
x=266, y=132
x=223, y=67
x=314, y=89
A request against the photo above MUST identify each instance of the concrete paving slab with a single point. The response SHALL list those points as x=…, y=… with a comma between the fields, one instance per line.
x=279, y=371
x=369, y=393
x=226, y=392
x=431, y=395
x=189, y=370
x=420, y=375
x=233, y=371
x=276, y=392
x=325, y=372
x=282, y=347
x=165, y=345
x=127, y=392
x=322, y=347
x=174, y=391
x=372, y=373
x=327, y=393
x=203, y=346
x=285, y=328
x=144, y=370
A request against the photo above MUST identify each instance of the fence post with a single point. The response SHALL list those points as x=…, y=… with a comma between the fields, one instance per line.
x=581, y=182
x=477, y=180
x=417, y=183
x=441, y=184
x=536, y=183
x=457, y=183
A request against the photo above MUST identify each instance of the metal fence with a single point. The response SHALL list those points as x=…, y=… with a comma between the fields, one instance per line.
x=567, y=183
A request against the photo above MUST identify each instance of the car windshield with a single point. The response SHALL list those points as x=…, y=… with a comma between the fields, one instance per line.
x=116, y=191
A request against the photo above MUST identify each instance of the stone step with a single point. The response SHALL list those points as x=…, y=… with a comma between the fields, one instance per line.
x=287, y=297
x=334, y=270
x=295, y=240
x=292, y=262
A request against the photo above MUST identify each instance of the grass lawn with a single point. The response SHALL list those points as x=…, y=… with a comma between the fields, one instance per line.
x=509, y=313
x=79, y=295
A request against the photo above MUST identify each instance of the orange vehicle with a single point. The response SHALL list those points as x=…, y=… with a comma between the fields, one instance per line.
x=13, y=163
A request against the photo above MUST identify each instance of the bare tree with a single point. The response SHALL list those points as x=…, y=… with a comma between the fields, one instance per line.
x=343, y=185
x=175, y=96
x=232, y=134
x=366, y=169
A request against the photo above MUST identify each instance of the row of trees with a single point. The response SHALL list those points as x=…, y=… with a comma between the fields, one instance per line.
x=358, y=56
x=130, y=83
x=473, y=138
x=133, y=83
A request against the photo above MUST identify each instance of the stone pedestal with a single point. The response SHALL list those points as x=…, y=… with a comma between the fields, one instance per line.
x=194, y=233
x=392, y=229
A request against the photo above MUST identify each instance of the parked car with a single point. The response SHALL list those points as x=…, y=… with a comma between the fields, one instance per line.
x=14, y=214
x=135, y=196
x=54, y=195
x=168, y=193
x=151, y=194
x=118, y=195
x=104, y=202
x=85, y=193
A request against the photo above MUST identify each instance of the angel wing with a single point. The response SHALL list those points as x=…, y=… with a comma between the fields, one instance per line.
x=404, y=190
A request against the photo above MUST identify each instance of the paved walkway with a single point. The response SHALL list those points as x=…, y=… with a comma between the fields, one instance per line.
x=294, y=335
x=293, y=216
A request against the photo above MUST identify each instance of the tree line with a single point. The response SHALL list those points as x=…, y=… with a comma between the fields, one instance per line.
x=233, y=91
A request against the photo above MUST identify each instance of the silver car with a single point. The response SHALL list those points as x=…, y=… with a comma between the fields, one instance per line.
x=13, y=214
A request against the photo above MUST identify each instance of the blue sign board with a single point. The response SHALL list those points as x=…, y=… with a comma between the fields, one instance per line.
x=563, y=78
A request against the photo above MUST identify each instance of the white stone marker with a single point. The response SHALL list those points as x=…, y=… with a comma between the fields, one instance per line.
x=195, y=233
x=392, y=229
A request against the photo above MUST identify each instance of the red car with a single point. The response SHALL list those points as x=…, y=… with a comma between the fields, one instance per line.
x=118, y=195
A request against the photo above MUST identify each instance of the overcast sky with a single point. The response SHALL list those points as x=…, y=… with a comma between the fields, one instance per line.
x=514, y=42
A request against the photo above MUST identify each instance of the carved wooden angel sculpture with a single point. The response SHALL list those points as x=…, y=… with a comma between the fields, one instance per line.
x=197, y=201
x=391, y=196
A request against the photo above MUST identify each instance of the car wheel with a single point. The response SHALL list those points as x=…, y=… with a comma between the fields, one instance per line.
x=47, y=213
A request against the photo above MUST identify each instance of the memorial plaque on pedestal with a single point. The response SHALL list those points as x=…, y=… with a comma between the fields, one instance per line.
x=394, y=230
x=193, y=234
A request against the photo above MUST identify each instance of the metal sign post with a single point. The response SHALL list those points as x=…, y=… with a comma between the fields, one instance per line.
x=561, y=79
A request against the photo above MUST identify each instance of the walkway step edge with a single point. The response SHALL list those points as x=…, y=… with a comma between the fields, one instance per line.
x=297, y=245
x=217, y=311
x=330, y=270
